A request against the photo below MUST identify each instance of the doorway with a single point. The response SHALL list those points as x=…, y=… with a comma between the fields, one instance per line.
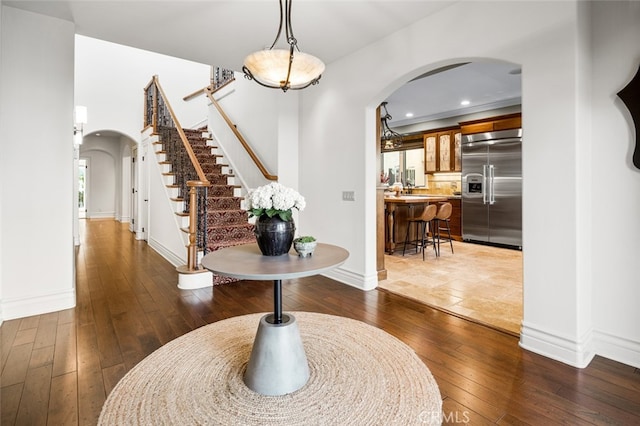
x=478, y=282
x=83, y=176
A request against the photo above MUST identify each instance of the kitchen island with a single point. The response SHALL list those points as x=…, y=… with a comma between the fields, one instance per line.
x=398, y=209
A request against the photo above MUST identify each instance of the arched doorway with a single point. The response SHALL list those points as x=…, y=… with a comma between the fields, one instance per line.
x=107, y=181
x=479, y=282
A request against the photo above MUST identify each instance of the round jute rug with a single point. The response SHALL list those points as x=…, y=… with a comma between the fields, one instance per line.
x=359, y=375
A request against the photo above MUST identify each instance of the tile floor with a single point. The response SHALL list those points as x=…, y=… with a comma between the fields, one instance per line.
x=478, y=282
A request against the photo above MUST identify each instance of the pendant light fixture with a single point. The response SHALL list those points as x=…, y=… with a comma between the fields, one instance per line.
x=283, y=68
x=390, y=138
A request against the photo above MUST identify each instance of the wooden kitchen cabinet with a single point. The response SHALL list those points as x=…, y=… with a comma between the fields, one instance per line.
x=430, y=153
x=457, y=151
x=503, y=122
x=455, y=221
x=442, y=151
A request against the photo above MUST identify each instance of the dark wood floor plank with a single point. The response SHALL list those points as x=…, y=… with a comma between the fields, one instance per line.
x=29, y=322
x=65, y=355
x=34, y=404
x=106, y=336
x=25, y=336
x=454, y=413
x=9, y=403
x=41, y=357
x=63, y=402
x=111, y=376
x=46, y=333
x=17, y=365
x=468, y=399
x=91, y=390
x=7, y=336
x=128, y=305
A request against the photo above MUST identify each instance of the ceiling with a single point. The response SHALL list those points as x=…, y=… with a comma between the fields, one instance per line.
x=223, y=32
x=437, y=95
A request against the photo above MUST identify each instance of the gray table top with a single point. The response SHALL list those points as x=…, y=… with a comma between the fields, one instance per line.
x=246, y=262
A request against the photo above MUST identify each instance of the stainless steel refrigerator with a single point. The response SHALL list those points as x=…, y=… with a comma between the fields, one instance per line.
x=492, y=188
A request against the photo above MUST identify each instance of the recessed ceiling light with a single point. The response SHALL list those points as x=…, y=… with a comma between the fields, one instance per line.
x=409, y=115
x=465, y=102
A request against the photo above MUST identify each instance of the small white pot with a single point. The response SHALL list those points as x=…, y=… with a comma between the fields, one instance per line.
x=305, y=249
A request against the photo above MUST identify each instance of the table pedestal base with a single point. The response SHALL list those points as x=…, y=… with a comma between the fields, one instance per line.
x=278, y=364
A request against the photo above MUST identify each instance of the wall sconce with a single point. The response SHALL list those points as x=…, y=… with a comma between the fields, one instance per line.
x=390, y=138
x=79, y=119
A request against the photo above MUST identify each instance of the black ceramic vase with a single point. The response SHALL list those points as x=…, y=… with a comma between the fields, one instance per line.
x=274, y=235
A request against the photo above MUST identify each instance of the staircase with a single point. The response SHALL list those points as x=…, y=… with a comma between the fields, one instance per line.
x=227, y=222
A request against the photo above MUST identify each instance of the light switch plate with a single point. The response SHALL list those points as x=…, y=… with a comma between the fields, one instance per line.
x=348, y=196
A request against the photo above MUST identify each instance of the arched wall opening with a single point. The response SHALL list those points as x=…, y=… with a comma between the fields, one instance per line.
x=510, y=317
x=108, y=176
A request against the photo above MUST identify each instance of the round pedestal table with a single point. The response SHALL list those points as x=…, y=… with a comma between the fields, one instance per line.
x=278, y=363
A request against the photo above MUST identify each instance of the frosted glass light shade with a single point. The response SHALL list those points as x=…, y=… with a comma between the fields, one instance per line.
x=78, y=138
x=80, y=114
x=270, y=67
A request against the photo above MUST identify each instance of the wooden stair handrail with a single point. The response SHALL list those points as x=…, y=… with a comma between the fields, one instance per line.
x=183, y=136
x=244, y=143
x=204, y=91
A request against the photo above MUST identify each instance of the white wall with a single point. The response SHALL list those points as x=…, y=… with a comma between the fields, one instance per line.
x=110, y=79
x=546, y=39
x=258, y=113
x=36, y=165
x=1, y=180
x=616, y=248
x=164, y=234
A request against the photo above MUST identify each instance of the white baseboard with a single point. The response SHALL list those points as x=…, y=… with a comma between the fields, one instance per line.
x=561, y=348
x=171, y=257
x=617, y=348
x=354, y=280
x=36, y=305
x=101, y=215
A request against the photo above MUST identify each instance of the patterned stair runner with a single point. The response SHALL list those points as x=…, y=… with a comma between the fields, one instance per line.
x=227, y=222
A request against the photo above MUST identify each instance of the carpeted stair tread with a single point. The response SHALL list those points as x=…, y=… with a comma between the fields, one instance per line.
x=227, y=223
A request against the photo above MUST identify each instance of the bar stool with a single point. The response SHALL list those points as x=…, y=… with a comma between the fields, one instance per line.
x=428, y=214
x=443, y=215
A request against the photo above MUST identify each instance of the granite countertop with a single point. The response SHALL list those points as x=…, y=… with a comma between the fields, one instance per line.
x=450, y=196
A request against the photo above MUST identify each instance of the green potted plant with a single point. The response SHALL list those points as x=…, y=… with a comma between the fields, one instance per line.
x=304, y=245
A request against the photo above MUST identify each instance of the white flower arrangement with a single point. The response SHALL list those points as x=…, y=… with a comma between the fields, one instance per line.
x=274, y=199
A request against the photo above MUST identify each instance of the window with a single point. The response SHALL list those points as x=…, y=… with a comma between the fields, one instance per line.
x=405, y=166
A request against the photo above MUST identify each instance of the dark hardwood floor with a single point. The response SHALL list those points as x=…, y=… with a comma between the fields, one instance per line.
x=58, y=368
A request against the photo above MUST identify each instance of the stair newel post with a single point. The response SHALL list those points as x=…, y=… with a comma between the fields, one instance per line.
x=192, y=248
